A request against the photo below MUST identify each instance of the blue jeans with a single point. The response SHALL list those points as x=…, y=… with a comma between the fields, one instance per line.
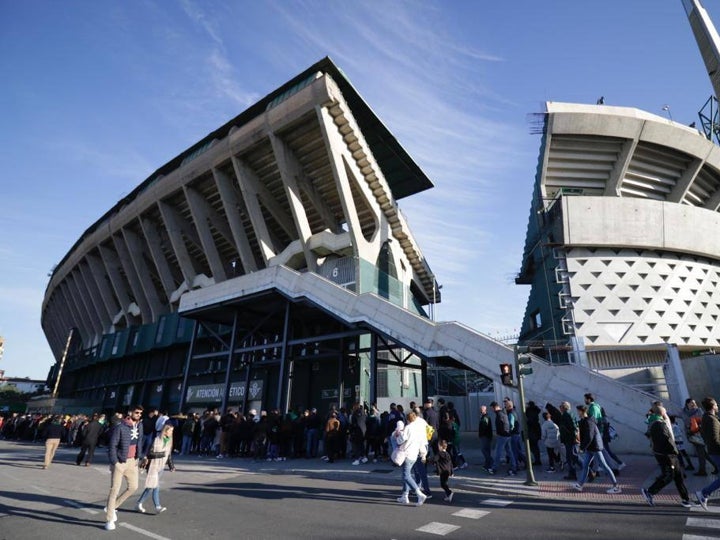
x=186, y=445
x=312, y=443
x=715, y=484
x=485, y=443
x=571, y=458
x=420, y=476
x=588, y=458
x=155, y=496
x=407, y=477
x=518, y=448
x=502, y=444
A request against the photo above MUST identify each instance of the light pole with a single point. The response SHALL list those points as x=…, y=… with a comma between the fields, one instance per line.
x=522, y=361
x=666, y=108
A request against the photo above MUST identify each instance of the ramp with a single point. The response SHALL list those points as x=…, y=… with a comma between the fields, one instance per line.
x=625, y=405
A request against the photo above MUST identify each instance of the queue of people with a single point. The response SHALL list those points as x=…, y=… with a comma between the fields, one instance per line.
x=577, y=442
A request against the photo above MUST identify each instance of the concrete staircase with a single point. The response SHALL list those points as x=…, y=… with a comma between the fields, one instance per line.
x=624, y=405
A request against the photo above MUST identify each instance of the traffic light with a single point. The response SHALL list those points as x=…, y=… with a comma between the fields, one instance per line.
x=524, y=364
x=506, y=374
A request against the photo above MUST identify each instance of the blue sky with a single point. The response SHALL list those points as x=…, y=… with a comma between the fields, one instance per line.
x=96, y=95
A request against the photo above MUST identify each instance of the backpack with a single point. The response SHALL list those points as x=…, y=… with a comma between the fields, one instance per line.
x=695, y=422
x=429, y=431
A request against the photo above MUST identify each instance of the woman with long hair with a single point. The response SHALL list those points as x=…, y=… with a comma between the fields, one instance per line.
x=158, y=456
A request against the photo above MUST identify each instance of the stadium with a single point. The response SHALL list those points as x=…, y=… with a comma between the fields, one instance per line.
x=269, y=266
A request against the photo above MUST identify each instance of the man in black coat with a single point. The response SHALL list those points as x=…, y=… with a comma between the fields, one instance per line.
x=91, y=434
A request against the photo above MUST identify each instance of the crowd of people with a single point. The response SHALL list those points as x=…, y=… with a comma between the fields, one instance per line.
x=422, y=436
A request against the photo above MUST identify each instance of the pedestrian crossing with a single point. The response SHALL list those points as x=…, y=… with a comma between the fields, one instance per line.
x=442, y=529
x=704, y=524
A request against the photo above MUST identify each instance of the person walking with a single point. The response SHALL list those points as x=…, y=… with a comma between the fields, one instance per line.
x=54, y=433
x=444, y=466
x=592, y=446
x=485, y=433
x=159, y=455
x=91, y=434
x=413, y=441
x=550, y=436
x=503, y=438
x=569, y=439
x=125, y=448
x=710, y=431
x=693, y=418
x=666, y=454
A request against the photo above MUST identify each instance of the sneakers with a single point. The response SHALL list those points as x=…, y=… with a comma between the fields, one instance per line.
x=687, y=504
x=621, y=466
x=356, y=462
x=114, y=518
x=403, y=500
x=364, y=460
x=428, y=495
x=550, y=470
x=577, y=487
x=648, y=496
x=140, y=508
x=449, y=498
x=421, y=498
x=464, y=465
x=491, y=472
x=160, y=509
x=701, y=499
x=614, y=489
x=511, y=472
x=110, y=526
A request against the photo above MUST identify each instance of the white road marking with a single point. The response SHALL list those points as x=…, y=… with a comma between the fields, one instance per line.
x=710, y=510
x=496, y=502
x=143, y=531
x=441, y=529
x=41, y=490
x=471, y=513
x=80, y=506
x=703, y=522
x=696, y=537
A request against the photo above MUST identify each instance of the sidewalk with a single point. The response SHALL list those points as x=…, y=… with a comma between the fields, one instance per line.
x=640, y=472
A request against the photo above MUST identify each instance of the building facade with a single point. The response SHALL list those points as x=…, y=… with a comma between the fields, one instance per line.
x=308, y=179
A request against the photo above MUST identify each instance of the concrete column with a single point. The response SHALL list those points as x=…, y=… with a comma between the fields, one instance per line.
x=103, y=314
x=132, y=277
x=614, y=184
x=173, y=228
x=683, y=184
x=233, y=205
x=154, y=244
x=248, y=182
x=112, y=269
x=201, y=217
x=137, y=251
x=334, y=147
x=99, y=274
x=73, y=316
x=289, y=171
x=83, y=301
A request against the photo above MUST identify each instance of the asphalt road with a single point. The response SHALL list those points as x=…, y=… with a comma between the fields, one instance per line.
x=307, y=499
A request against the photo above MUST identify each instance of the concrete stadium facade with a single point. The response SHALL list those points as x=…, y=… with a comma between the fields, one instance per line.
x=623, y=242
x=308, y=178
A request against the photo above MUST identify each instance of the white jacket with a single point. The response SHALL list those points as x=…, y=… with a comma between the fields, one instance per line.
x=415, y=439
